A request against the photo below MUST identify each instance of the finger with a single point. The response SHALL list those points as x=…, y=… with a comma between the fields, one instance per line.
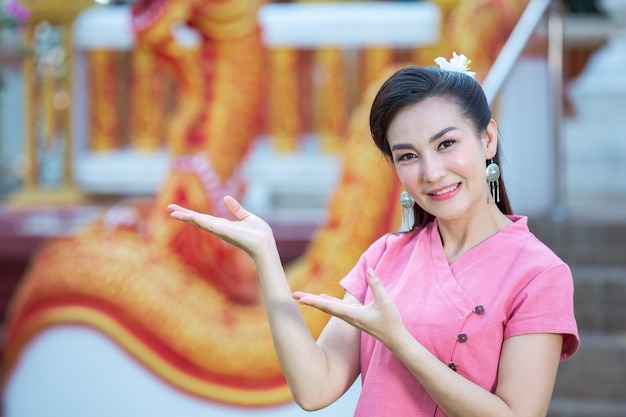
x=307, y=297
x=299, y=295
x=187, y=218
x=332, y=307
x=203, y=221
x=378, y=290
x=179, y=215
x=235, y=208
x=182, y=214
x=175, y=208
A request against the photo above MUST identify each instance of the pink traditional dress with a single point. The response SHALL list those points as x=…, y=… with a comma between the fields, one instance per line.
x=510, y=284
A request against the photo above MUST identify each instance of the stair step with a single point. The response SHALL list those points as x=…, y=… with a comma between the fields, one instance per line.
x=599, y=294
x=572, y=407
x=596, y=373
x=584, y=241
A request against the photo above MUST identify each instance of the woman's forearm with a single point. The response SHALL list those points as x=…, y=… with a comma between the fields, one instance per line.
x=454, y=394
x=460, y=397
x=317, y=374
x=304, y=363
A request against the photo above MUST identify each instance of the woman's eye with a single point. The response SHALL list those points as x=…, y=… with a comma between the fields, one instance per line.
x=405, y=157
x=446, y=144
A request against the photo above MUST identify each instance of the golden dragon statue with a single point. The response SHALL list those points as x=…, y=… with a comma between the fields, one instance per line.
x=182, y=303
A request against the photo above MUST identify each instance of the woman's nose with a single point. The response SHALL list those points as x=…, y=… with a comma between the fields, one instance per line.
x=432, y=169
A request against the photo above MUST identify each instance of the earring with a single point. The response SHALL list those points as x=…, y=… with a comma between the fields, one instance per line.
x=493, y=174
x=407, y=202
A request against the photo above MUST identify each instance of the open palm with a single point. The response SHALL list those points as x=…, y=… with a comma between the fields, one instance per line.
x=379, y=318
x=246, y=231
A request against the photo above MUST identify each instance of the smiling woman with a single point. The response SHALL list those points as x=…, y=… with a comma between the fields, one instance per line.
x=466, y=314
x=440, y=94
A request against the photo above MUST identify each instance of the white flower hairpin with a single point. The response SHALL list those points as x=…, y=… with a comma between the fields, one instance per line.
x=458, y=63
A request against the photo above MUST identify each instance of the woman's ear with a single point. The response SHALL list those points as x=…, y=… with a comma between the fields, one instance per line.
x=491, y=139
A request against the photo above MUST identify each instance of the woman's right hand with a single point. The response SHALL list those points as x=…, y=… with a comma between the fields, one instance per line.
x=247, y=231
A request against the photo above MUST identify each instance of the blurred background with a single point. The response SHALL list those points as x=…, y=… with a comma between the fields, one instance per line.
x=111, y=109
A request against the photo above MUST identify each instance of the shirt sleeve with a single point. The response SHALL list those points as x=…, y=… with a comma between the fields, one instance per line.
x=546, y=305
x=354, y=282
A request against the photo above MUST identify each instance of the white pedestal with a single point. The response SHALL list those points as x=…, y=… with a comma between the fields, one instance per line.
x=74, y=371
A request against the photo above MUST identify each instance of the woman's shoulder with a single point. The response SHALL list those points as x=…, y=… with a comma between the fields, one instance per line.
x=522, y=240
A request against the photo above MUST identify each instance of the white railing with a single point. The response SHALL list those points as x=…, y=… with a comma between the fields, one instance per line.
x=348, y=26
x=514, y=46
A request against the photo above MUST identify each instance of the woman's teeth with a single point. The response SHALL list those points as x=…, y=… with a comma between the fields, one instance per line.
x=447, y=189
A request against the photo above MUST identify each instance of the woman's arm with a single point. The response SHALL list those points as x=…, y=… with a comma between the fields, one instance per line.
x=526, y=374
x=318, y=373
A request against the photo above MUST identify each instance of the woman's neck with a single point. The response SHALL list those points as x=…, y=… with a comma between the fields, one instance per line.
x=458, y=236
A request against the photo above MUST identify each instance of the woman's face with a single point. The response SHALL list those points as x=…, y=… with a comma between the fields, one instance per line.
x=439, y=158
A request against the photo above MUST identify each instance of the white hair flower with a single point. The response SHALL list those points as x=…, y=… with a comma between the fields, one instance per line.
x=458, y=63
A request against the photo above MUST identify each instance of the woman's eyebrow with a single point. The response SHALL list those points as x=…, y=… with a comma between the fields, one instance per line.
x=436, y=136
x=440, y=134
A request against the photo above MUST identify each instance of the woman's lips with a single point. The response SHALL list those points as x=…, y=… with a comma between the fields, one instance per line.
x=445, y=192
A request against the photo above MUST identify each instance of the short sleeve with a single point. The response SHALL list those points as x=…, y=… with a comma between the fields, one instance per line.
x=354, y=282
x=546, y=305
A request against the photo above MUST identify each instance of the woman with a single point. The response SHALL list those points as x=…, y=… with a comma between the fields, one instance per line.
x=467, y=314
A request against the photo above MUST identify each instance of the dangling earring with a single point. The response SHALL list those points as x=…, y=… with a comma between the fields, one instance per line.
x=407, y=202
x=493, y=174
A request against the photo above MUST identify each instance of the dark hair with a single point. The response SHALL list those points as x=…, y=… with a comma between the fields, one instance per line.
x=412, y=85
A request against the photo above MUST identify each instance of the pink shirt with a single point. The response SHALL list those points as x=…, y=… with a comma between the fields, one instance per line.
x=509, y=284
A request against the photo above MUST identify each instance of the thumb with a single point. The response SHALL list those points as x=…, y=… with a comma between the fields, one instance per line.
x=235, y=208
x=378, y=290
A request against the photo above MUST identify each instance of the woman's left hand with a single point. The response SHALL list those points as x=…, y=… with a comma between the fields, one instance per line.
x=380, y=318
x=246, y=231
